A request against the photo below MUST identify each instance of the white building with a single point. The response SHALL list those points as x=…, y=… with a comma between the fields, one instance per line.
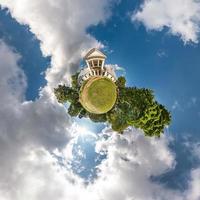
x=95, y=67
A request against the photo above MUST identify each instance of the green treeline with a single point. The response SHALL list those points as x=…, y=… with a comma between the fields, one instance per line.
x=134, y=107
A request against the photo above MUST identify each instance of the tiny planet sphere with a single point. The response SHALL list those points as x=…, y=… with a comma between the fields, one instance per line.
x=98, y=95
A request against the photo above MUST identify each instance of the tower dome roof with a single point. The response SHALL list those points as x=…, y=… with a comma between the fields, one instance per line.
x=94, y=53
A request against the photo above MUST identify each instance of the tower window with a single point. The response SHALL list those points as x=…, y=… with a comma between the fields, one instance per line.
x=100, y=63
x=95, y=63
x=90, y=63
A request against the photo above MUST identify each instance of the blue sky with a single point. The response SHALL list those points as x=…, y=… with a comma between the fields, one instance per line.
x=160, y=57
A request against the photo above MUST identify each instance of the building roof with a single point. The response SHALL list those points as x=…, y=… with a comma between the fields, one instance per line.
x=94, y=53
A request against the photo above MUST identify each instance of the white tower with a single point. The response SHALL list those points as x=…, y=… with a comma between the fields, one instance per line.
x=95, y=58
x=95, y=67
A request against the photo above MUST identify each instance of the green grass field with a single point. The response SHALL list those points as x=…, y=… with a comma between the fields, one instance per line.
x=98, y=95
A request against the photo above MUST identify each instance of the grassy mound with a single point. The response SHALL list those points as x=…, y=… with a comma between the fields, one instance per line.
x=98, y=95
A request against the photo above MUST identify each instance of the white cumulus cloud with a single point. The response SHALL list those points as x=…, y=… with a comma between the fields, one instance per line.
x=25, y=125
x=193, y=192
x=182, y=17
x=132, y=159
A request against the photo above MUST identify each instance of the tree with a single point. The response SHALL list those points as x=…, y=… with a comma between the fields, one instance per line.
x=75, y=109
x=121, y=82
x=75, y=84
x=154, y=119
x=64, y=94
x=97, y=117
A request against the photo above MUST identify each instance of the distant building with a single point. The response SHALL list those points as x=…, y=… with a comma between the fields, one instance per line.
x=96, y=67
